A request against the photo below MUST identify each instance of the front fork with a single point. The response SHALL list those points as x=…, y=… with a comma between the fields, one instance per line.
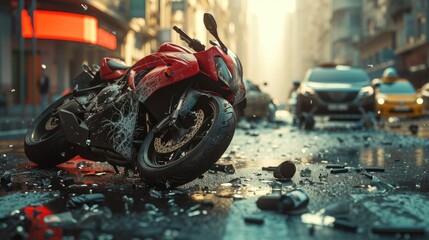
x=187, y=101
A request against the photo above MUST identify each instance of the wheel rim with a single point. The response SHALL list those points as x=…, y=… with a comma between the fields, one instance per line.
x=47, y=124
x=170, y=145
x=47, y=127
x=173, y=143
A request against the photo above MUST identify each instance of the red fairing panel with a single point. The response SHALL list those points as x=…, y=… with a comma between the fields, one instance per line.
x=168, y=68
x=208, y=67
x=108, y=74
x=170, y=47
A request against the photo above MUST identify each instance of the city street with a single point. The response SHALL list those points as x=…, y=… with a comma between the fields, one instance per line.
x=380, y=191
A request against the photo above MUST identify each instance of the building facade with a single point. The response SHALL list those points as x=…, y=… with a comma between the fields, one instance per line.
x=378, y=37
x=61, y=35
x=395, y=34
x=346, y=31
x=411, y=35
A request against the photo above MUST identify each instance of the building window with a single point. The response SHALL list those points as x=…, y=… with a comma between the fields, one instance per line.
x=421, y=23
x=371, y=27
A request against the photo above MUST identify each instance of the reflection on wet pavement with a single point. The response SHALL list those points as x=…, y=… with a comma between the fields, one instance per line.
x=372, y=167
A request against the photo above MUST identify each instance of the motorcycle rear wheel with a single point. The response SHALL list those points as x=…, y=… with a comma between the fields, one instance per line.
x=170, y=158
x=45, y=143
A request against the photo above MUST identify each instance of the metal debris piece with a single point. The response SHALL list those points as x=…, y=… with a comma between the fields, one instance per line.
x=6, y=178
x=63, y=220
x=155, y=194
x=87, y=199
x=128, y=204
x=358, y=169
x=306, y=172
x=414, y=129
x=254, y=220
x=229, y=168
x=236, y=182
x=285, y=170
x=403, y=229
x=335, y=166
x=271, y=168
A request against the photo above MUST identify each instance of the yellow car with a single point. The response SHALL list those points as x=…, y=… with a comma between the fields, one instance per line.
x=397, y=99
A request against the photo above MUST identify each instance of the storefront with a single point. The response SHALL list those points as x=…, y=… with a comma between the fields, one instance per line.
x=58, y=36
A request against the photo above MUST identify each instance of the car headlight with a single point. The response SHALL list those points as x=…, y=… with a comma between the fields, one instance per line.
x=419, y=101
x=366, y=91
x=306, y=90
x=381, y=101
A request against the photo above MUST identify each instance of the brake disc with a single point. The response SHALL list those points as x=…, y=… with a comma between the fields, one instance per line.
x=171, y=145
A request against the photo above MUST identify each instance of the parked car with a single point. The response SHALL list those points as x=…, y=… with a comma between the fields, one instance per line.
x=336, y=92
x=258, y=104
x=398, y=98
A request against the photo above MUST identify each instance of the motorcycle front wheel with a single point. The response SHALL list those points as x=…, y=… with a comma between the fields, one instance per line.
x=174, y=156
x=45, y=143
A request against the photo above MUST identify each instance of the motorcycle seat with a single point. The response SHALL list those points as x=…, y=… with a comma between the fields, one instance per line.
x=114, y=65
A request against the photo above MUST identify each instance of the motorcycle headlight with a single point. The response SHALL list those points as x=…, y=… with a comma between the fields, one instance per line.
x=223, y=72
x=381, y=101
x=306, y=90
x=419, y=101
x=366, y=91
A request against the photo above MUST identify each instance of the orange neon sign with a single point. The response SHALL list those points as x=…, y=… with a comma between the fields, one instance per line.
x=67, y=26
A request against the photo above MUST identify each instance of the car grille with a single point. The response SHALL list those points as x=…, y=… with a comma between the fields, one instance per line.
x=337, y=97
x=401, y=111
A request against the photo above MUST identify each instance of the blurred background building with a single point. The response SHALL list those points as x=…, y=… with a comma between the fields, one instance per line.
x=61, y=35
x=371, y=34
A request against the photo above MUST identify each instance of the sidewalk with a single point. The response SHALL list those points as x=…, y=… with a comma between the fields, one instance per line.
x=17, y=118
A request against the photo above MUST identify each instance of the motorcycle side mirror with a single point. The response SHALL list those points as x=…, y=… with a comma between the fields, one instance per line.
x=211, y=26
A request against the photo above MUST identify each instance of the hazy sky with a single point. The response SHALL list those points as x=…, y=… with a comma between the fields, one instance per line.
x=267, y=32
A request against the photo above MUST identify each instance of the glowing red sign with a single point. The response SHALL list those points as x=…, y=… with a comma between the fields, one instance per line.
x=67, y=26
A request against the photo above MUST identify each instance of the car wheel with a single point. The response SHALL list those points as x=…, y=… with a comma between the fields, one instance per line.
x=307, y=121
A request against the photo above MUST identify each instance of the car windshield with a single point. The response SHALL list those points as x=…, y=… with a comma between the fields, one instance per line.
x=397, y=88
x=338, y=76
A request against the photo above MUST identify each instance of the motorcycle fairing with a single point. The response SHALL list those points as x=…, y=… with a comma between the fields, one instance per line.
x=114, y=127
x=234, y=88
x=167, y=68
x=170, y=47
x=107, y=73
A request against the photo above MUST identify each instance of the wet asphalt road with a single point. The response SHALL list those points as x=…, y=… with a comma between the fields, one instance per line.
x=41, y=203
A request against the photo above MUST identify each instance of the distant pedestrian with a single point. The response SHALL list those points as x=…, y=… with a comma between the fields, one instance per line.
x=43, y=84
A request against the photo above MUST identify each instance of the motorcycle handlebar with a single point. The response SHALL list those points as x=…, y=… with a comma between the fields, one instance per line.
x=193, y=43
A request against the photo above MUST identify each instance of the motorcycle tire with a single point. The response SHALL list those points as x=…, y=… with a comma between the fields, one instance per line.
x=175, y=167
x=45, y=143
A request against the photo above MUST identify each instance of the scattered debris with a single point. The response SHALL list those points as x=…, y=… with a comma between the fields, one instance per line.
x=6, y=178
x=305, y=172
x=229, y=168
x=335, y=166
x=286, y=170
x=293, y=200
x=254, y=220
x=358, y=169
x=403, y=229
x=414, y=129
x=87, y=199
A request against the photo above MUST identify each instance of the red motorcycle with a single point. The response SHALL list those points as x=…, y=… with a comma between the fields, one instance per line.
x=170, y=115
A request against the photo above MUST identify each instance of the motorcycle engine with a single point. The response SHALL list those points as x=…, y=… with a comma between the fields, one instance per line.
x=106, y=97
